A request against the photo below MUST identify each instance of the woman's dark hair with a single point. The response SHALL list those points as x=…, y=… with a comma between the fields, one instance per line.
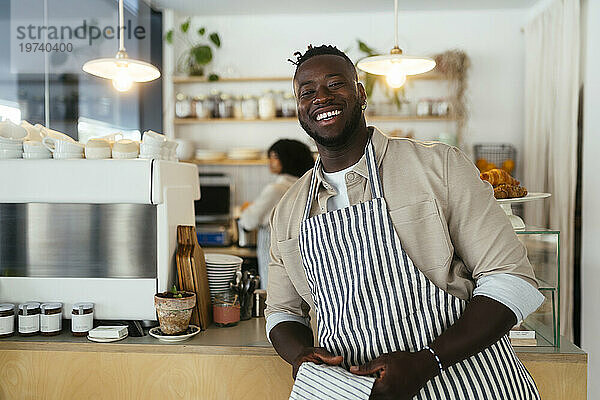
x=295, y=156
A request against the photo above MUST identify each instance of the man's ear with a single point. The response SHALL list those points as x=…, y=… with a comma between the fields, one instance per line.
x=362, y=94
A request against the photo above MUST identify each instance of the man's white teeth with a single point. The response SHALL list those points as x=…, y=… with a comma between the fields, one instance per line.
x=328, y=115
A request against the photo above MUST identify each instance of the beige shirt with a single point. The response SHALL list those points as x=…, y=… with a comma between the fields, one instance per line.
x=445, y=216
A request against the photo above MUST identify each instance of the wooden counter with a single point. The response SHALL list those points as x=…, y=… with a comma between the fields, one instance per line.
x=220, y=363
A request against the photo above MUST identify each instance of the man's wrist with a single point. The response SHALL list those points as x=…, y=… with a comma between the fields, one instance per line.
x=429, y=363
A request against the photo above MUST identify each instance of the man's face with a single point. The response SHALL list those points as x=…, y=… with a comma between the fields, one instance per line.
x=329, y=99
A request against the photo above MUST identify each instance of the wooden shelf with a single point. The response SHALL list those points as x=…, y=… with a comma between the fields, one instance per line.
x=203, y=79
x=229, y=161
x=391, y=118
x=187, y=121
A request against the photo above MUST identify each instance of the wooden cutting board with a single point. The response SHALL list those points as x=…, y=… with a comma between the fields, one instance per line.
x=191, y=268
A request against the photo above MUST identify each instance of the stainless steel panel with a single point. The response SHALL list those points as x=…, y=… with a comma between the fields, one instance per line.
x=78, y=240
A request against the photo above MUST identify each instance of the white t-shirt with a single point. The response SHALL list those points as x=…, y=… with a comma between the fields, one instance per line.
x=338, y=181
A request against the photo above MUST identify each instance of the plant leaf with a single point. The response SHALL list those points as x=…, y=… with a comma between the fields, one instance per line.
x=201, y=31
x=169, y=36
x=185, y=26
x=214, y=37
x=213, y=77
x=364, y=48
x=202, y=54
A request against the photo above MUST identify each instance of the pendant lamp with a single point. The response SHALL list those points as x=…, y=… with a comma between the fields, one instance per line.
x=121, y=69
x=396, y=66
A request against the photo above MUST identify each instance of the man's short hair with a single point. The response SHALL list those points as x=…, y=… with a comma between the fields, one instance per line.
x=324, y=49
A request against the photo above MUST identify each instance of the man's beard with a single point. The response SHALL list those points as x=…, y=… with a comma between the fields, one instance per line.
x=344, y=137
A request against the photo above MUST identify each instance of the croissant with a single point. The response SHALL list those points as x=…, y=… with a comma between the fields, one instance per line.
x=498, y=176
x=505, y=191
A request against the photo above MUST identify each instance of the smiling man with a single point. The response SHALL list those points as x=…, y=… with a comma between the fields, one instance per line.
x=414, y=272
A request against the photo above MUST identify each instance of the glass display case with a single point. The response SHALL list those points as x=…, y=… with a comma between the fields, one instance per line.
x=543, y=253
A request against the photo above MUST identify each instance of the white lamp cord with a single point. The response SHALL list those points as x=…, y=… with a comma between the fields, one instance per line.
x=122, y=27
x=396, y=20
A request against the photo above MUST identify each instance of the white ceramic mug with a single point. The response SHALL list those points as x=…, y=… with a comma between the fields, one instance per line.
x=33, y=132
x=97, y=149
x=63, y=148
x=47, y=132
x=33, y=149
x=154, y=138
x=124, y=149
x=149, y=151
x=10, y=130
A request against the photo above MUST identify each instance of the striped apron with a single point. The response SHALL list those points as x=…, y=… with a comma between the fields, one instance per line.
x=370, y=299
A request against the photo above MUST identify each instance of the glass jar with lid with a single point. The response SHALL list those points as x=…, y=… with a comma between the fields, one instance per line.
x=29, y=318
x=183, y=106
x=237, y=107
x=201, y=107
x=82, y=318
x=226, y=309
x=266, y=105
x=51, y=318
x=288, y=106
x=225, y=106
x=7, y=320
x=249, y=107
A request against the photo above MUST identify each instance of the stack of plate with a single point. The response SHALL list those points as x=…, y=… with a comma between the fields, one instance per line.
x=221, y=270
x=244, y=154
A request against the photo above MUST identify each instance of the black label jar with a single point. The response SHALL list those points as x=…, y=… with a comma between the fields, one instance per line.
x=29, y=318
x=7, y=320
x=82, y=318
x=51, y=318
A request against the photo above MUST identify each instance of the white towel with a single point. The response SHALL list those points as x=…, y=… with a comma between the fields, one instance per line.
x=330, y=382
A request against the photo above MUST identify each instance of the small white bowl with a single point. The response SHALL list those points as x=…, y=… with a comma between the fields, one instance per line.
x=9, y=154
x=66, y=156
x=37, y=155
x=124, y=155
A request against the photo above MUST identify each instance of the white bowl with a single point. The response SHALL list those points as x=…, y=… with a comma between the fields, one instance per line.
x=126, y=146
x=98, y=153
x=124, y=156
x=37, y=155
x=222, y=259
x=66, y=156
x=8, y=154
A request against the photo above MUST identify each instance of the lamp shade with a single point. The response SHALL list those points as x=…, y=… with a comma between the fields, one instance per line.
x=386, y=64
x=111, y=68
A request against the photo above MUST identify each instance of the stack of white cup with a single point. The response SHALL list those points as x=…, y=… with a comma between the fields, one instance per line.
x=32, y=149
x=63, y=148
x=11, y=140
x=155, y=146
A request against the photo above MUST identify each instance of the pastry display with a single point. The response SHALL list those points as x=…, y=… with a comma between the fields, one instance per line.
x=505, y=186
x=498, y=176
x=506, y=191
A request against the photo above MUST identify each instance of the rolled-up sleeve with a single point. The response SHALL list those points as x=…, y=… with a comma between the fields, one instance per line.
x=482, y=235
x=283, y=301
x=520, y=296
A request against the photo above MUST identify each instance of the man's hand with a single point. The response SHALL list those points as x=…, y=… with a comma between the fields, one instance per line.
x=401, y=374
x=317, y=355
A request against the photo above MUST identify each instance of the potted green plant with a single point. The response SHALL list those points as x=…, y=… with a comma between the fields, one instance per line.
x=199, y=53
x=370, y=80
x=174, y=310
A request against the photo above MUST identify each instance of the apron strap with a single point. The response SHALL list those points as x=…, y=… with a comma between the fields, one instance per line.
x=313, y=186
x=374, y=180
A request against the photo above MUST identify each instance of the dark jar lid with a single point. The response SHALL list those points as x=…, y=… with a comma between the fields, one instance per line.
x=32, y=307
x=51, y=308
x=82, y=308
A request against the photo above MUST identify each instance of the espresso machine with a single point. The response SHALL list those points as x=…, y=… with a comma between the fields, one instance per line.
x=103, y=231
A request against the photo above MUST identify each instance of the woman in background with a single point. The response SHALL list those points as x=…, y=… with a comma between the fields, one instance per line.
x=289, y=159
